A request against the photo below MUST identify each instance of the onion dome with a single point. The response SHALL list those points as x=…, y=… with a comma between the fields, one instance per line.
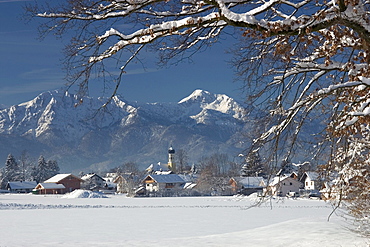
x=171, y=150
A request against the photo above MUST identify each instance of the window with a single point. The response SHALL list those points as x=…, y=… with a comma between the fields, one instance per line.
x=170, y=185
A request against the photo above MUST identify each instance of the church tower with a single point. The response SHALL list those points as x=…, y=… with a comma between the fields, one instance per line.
x=171, y=159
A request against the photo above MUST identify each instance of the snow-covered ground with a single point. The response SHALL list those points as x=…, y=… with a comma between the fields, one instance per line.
x=84, y=219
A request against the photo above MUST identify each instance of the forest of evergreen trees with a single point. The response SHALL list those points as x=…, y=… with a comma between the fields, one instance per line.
x=25, y=168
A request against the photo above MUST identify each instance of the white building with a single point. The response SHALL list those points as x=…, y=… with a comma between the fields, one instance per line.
x=310, y=181
x=282, y=186
x=92, y=181
x=163, y=184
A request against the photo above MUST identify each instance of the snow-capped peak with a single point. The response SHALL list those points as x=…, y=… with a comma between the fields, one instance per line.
x=200, y=102
x=199, y=96
x=61, y=111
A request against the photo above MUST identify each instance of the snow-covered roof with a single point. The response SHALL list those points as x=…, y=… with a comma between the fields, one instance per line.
x=188, y=178
x=189, y=185
x=171, y=150
x=250, y=182
x=157, y=167
x=289, y=174
x=57, y=178
x=90, y=175
x=51, y=186
x=111, y=184
x=22, y=185
x=312, y=175
x=111, y=175
x=277, y=180
x=162, y=172
x=168, y=178
x=111, y=179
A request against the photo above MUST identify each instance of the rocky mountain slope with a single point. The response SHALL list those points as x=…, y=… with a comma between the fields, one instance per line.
x=80, y=136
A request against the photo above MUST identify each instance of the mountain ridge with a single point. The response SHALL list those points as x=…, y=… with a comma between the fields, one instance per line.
x=80, y=135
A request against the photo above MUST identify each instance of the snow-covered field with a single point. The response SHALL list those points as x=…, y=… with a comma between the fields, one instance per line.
x=74, y=220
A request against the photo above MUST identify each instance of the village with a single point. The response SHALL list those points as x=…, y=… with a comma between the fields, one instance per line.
x=163, y=180
x=188, y=209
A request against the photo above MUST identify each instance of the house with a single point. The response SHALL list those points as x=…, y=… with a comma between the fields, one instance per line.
x=49, y=188
x=92, y=181
x=164, y=184
x=282, y=186
x=122, y=184
x=126, y=182
x=21, y=186
x=310, y=181
x=247, y=185
x=70, y=181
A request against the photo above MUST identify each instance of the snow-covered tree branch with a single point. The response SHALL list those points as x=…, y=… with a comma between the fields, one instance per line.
x=130, y=23
x=299, y=59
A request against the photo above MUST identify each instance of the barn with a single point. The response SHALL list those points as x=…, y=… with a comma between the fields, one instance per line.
x=69, y=181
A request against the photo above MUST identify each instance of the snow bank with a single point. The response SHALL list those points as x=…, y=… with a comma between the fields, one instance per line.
x=84, y=194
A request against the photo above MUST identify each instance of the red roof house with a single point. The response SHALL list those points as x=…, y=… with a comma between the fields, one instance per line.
x=69, y=181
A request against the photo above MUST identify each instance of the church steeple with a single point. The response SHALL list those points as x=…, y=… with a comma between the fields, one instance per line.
x=171, y=159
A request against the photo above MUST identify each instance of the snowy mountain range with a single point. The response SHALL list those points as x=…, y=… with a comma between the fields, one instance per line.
x=82, y=135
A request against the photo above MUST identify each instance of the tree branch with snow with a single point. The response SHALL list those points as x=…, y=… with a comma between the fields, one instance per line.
x=300, y=60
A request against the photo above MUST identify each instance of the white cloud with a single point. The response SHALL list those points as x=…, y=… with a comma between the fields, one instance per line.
x=34, y=81
x=141, y=71
x=42, y=74
x=30, y=88
x=13, y=1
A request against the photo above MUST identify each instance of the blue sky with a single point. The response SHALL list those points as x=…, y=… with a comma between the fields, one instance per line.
x=29, y=66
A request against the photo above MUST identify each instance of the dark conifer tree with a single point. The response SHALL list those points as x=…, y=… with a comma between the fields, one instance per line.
x=253, y=166
x=11, y=171
x=52, y=168
x=40, y=171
